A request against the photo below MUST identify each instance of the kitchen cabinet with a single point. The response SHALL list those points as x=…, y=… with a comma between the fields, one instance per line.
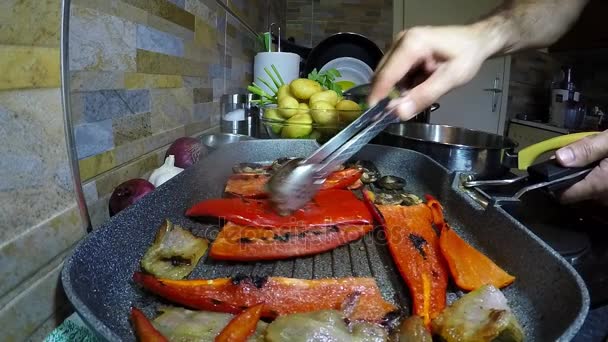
x=480, y=104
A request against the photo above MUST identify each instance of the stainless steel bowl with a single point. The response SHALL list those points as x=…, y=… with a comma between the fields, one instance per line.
x=217, y=140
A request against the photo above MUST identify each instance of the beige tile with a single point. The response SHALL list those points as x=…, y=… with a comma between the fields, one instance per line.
x=156, y=63
x=96, y=80
x=139, y=81
x=30, y=22
x=95, y=165
x=49, y=239
x=21, y=317
x=29, y=67
x=166, y=10
x=36, y=174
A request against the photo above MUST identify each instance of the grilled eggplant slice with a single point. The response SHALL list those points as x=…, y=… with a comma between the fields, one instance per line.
x=175, y=252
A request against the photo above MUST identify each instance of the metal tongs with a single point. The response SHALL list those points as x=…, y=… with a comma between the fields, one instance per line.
x=296, y=182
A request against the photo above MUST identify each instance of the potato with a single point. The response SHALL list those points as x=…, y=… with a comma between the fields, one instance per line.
x=329, y=96
x=272, y=114
x=304, y=88
x=324, y=113
x=348, y=110
x=283, y=92
x=298, y=126
x=303, y=108
x=288, y=107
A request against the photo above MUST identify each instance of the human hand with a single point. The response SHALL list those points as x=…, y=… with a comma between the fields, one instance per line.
x=432, y=61
x=581, y=153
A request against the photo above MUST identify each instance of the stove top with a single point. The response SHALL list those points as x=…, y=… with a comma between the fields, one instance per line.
x=579, y=233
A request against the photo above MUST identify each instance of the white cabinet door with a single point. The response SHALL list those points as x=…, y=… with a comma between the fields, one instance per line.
x=473, y=105
x=477, y=105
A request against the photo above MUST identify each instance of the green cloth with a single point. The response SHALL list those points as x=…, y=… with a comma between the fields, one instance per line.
x=73, y=329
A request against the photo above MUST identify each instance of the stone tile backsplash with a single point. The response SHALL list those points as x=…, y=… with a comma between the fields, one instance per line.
x=142, y=73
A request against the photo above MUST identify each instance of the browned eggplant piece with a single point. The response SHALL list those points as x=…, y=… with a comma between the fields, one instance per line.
x=412, y=329
x=410, y=199
x=388, y=197
x=325, y=325
x=370, y=171
x=175, y=252
x=277, y=164
x=251, y=168
x=179, y=324
x=391, y=183
x=481, y=315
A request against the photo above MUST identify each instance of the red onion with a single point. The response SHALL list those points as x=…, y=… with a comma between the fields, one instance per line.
x=128, y=193
x=187, y=151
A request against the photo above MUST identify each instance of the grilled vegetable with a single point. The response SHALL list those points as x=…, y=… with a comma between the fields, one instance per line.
x=391, y=183
x=280, y=296
x=179, y=324
x=241, y=326
x=414, y=247
x=251, y=168
x=144, y=330
x=468, y=266
x=412, y=329
x=175, y=252
x=389, y=197
x=326, y=325
x=481, y=315
x=253, y=185
x=250, y=185
x=239, y=243
x=328, y=207
x=370, y=171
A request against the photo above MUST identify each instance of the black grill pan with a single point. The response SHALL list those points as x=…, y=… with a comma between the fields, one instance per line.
x=548, y=297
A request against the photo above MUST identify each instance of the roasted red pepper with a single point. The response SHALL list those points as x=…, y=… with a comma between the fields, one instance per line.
x=238, y=243
x=280, y=296
x=251, y=185
x=328, y=207
x=241, y=326
x=342, y=179
x=414, y=246
x=144, y=329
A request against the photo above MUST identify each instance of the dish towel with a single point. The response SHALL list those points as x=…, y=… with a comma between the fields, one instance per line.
x=73, y=329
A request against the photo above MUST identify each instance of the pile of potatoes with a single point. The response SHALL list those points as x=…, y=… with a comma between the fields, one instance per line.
x=304, y=102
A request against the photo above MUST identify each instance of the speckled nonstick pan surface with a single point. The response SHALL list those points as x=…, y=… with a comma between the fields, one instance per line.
x=548, y=297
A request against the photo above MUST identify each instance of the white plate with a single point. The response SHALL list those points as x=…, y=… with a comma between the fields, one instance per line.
x=351, y=69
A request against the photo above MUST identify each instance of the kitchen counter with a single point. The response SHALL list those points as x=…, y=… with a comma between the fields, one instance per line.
x=545, y=126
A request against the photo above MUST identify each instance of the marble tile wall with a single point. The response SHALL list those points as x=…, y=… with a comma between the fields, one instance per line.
x=310, y=21
x=39, y=219
x=142, y=73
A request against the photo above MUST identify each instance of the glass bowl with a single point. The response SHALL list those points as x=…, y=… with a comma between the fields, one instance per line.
x=318, y=124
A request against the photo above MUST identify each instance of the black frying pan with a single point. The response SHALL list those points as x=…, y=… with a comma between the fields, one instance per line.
x=345, y=44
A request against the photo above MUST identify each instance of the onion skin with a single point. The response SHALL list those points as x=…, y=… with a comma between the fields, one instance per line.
x=128, y=193
x=187, y=151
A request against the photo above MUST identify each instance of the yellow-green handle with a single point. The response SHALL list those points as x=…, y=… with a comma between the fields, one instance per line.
x=528, y=155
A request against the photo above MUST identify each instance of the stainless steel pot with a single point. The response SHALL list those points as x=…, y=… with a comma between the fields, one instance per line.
x=458, y=149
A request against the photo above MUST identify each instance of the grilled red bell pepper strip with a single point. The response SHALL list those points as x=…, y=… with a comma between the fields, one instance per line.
x=342, y=179
x=414, y=246
x=238, y=243
x=251, y=185
x=470, y=268
x=241, y=326
x=280, y=296
x=144, y=329
x=328, y=207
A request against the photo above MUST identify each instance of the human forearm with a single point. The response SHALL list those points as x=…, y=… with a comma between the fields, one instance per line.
x=522, y=24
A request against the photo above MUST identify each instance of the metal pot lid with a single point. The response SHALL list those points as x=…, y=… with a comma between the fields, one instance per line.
x=450, y=136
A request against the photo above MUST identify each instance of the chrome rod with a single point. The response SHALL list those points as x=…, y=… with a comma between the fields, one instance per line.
x=68, y=125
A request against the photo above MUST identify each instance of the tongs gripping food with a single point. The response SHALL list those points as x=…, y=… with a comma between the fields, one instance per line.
x=295, y=184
